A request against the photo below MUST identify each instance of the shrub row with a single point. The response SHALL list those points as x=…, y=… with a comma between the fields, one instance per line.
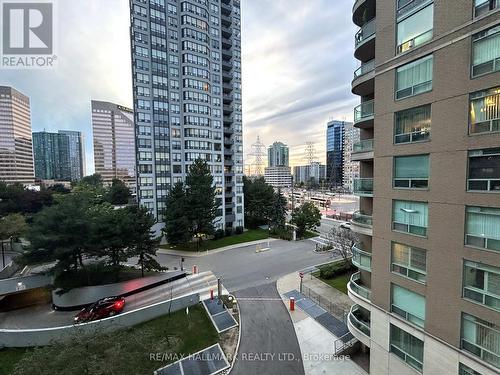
x=330, y=271
x=220, y=233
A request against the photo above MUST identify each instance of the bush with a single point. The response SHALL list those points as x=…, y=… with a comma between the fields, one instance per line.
x=239, y=230
x=283, y=233
x=229, y=232
x=219, y=233
x=332, y=270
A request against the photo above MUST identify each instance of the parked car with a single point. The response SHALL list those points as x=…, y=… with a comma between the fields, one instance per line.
x=345, y=225
x=101, y=309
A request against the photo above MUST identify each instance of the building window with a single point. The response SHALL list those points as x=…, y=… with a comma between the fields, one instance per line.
x=409, y=262
x=484, y=170
x=485, y=111
x=411, y=172
x=484, y=6
x=412, y=125
x=482, y=284
x=486, y=52
x=415, y=29
x=408, y=305
x=481, y=338
x=414, y=78
x=482, y=227
x=407, y=347
x=410, y=217
x=465, y=370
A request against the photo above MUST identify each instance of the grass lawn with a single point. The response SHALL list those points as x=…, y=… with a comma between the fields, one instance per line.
x=338, y=282
x=128, y=351
x=310, y=234
x=247, y=236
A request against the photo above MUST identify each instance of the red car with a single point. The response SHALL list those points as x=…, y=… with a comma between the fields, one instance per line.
x=101, y=309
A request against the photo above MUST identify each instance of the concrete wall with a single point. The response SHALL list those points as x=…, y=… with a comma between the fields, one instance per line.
x=8, y=286
x=46, y=336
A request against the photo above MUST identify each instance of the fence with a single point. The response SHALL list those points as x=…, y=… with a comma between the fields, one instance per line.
x=329, y=306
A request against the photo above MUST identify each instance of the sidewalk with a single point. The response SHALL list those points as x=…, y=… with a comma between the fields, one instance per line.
x=192, y=254
x=316, y=342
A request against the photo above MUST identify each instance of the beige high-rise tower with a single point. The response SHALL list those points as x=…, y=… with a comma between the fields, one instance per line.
x=427, y=292
x=16, y=147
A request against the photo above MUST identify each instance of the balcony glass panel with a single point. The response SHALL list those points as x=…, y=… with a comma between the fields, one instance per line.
x=415, y=29
x=484, y=6
x=482, y=227
x=414, y=78
x=409, y=261
x=410, y=217
x=358, y=288
x=412, y=125
x=362, y=219
x=363, y=186
x=481, y=338
x=360, y=318
x=365, y=68
x=409, y=305
x=407, y=347
x=411, y=172
x=364, y=111
x=485, y=111
x=367, y=31
x=486, y=52
x=484, y=170
x=361, y=259
x=465, y=370
x=363, y=146
x=482, y=284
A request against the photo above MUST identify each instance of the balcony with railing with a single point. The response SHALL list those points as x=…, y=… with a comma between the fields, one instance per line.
x=363, y=10
x=359, y=324
x=361, y=258
x=357, y=291
x=363, y=83
x=362, y=150
x=363, y=187
x=362, y=223
x=364, y=114
x=364, y=42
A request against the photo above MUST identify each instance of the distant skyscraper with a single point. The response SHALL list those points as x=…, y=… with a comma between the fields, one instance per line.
x=51, y=156
x=77, y=162
x=351, y=168
x=186, y=62
x=114, y=143
x=304, y=173
x=16, y=150
x=277, y=155
x=335, y=153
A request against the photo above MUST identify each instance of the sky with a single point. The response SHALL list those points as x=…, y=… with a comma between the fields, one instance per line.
x=297, y=65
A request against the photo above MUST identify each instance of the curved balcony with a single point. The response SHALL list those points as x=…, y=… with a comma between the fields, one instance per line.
x=362, y=150
x=361, y=258
x=358, y=292
x=363, y=83
x=363, y=10
x=362, y=223
x=359, y=323
x=363, y=187
x=364, y=114
x=364, y=42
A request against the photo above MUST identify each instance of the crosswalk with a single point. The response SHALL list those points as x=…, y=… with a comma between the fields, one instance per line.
x=320, y=240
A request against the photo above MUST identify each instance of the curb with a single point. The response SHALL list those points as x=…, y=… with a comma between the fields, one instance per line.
x=239, y=336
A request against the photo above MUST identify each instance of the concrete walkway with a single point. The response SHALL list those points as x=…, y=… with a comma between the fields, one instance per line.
x=191, y=254
x=327, y=294
x=316, y=342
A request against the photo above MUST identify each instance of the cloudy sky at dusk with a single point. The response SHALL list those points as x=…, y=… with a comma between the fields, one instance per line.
x=297, y=68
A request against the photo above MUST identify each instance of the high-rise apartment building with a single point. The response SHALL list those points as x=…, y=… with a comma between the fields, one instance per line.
x=51, y=156
x=335, y=153
x=186, y=58
x=427, y=294
x=278, y=177
x=16, y=150
x=77, y=162
x=114, y=143
x=278, y=155
x=350, y=170
x=314, y=171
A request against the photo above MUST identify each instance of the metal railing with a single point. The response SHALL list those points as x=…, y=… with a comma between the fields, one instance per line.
x=356, y=320
x=328, y=305
x=358, y=288
x=363, y=186
x=362, y=219
x=361, y=259
x=365, y=68
x=365, y=32
x=414, y=42
x=365, y=145
x=364, y=111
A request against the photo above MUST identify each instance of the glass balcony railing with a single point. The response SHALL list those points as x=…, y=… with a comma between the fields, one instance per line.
x=366, y=32
x=360, y=319
x=365, y=68
x=363, y=186
x=361, y=259
x=365, y=145
x=362, y=219
x=358, y=288
x=364, y=111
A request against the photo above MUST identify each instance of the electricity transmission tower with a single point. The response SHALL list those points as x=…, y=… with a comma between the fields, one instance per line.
x=258, y=154
x=310, y=153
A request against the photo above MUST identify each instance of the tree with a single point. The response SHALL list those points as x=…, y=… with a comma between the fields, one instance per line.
x=118, y=193
x=12, y=226
x=59, y=189
x=93, y=186
x=306, y=217
x=342, y=240
x=177, y=229
x=201, y=207
x=278, y=210
x=259, y=200
x=15, y=198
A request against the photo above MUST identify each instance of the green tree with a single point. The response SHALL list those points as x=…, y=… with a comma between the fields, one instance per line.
x=93, y=187
x=201, y=206
x=15, y=198
x=278, y=211
x=118, y=193
x=259, y=199
x=306, y=217
x=177, y=229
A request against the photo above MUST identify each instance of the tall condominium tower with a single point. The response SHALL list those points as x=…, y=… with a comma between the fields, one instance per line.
x=350, y=169
x=277, y=155
x=335, y=135
x=186, y=62
x=51, y=155
x=16, y=151
x=114, y=143
x=427, y=292
x=76, y=144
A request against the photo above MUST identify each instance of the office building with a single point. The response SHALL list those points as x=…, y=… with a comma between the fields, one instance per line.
x=114, y=143
x=16, y=149
x=77, y=162
x=335, y=153
x=304, y=173
x=278, y=177
x=51, y=156
x=427, y=294
x=186, y=61
x=351, y=168
x=278, y=155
